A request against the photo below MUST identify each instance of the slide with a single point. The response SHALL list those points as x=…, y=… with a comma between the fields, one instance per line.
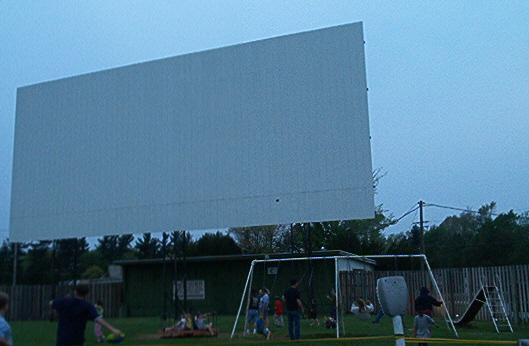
x=474, y=307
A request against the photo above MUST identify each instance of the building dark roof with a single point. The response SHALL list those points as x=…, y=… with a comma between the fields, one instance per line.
x=249, y=257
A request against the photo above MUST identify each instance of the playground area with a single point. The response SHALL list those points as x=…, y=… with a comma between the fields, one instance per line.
x=143, y=331
x=205, y=141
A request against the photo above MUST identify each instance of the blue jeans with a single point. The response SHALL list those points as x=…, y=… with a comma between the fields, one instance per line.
x=379, y=316
x=293, y=325
x=252, y=315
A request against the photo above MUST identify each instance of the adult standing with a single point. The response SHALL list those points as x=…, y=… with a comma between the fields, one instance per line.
x=264, y=304
x=74, y=312
x=426, y=302
x=293, y=304
x=252, y=312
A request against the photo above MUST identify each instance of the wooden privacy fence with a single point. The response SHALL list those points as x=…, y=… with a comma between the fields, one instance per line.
x=457, y=285
x=32, y=302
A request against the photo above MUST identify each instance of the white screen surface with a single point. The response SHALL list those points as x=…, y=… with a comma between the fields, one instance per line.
x=268, y=132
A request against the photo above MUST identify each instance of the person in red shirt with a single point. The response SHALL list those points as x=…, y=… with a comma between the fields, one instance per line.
x=278, y=316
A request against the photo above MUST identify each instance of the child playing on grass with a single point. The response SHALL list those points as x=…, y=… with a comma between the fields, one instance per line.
x=261, y=328
x=278, y=316
x=421, y=326
x=313, y=313
x=97, y=327
x=330, y=322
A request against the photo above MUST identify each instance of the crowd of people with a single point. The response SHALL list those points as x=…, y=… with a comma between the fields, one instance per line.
x=74, y=312
x=258, y=311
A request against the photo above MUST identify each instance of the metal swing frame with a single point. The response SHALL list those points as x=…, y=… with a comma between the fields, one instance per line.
x=249, y=279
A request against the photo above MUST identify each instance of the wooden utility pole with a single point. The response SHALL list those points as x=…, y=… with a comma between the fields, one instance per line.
x=421, y=218
x=184, y=266
x=164, y=278
x=421, y=204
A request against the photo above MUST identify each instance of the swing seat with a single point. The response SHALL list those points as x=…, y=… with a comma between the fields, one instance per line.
x=171, y=334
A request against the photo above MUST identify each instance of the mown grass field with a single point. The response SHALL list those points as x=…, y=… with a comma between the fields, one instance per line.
x=143, y=331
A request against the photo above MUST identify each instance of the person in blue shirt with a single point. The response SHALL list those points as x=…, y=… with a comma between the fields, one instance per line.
x=73, y=313
x=264, y=306
x=6, y=338
x=262, y=328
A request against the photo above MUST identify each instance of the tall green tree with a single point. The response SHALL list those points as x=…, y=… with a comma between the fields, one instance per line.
x=147, y=246
x=217, y=244
x=260, y=239
x=36, y=265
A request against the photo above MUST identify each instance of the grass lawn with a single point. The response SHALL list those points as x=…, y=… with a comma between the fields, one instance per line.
x=142, y=331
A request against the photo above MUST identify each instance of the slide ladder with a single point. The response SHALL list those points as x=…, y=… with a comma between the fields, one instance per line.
x=496, y=305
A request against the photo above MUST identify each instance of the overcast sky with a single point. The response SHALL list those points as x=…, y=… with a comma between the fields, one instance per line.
x=448, y=80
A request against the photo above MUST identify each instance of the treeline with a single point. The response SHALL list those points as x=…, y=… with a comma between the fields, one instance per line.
x=46, y=262
x=470, y=239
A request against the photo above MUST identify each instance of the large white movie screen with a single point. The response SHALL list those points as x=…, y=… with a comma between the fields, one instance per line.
x=269, y=132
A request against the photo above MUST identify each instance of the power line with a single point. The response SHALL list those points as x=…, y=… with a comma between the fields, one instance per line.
x=412, y=209
x=455, y=208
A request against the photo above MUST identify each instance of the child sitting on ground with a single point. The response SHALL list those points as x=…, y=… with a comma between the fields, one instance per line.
x=261, y=328
x=421, y=326
x=330, y=322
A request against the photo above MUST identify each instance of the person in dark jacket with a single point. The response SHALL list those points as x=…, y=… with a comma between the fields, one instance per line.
x=425, y=302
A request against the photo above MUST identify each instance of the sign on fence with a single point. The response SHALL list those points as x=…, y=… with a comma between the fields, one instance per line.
x=196, y=290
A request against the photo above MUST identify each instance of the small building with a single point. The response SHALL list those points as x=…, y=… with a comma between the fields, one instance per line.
x=216, y=283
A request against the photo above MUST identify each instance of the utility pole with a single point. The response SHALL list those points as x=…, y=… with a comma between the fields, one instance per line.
x=164, y=279
x=421, y=205
x=184, y=265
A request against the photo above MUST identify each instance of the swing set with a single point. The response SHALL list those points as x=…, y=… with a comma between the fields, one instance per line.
x=341, y=277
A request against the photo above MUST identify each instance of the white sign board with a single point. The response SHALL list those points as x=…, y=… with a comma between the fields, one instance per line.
x=196, y=290
x=268, y=132
x=272, y=270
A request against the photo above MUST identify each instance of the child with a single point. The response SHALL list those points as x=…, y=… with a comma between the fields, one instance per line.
x=180, y=325
x=330, y=322
x=421, y=326
x=202, y=323
x=261, y=328
x=278, y=316
x=313, y=313
x=332, y=298
x=6, y=337
x=264, y=305
x=97, y=327
x=362, y=309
